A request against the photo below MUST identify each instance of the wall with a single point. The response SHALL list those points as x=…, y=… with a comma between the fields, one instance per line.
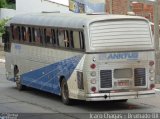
x=35, y=6
x=120, y=7
x=7, y=13
x=51, y=6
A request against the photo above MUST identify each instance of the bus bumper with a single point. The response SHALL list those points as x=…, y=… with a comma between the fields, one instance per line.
x=119, y=95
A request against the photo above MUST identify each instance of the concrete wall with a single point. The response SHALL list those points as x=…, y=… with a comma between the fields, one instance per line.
x=50, y=6
x=7, y=13
x=34, y=6
x=120, y=7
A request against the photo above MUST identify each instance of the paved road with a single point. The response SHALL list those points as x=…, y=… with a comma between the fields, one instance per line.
x=34, y=101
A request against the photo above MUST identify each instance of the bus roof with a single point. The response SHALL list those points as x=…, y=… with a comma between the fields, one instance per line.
x=72, y=20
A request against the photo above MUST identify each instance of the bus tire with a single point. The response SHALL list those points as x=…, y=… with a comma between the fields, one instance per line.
x=65, y=93
x=124, y=100
x=17, y=78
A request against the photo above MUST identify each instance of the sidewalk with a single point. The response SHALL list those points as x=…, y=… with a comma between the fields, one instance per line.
x=2, y=60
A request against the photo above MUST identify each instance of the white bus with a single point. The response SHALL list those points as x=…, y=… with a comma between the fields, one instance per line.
x=80, y=56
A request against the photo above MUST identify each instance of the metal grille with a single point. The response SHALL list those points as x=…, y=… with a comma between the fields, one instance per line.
x=106, y=78
x=139, y=77
x=80, y=80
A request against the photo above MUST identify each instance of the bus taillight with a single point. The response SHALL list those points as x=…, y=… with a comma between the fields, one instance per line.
x=151, y=63
x=152, y=86
x=93, y=89
x=93, y=66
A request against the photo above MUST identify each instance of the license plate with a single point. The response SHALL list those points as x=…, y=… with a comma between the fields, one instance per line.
x=123, y=83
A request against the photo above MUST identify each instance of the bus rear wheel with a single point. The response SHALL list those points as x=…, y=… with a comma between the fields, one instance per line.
x=18, y=83
x=65, y=92
x=123, y=100
x=17, y=78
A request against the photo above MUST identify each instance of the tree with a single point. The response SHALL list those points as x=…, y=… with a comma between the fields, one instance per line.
x=2, y=24
x=2, y=3
x=11, y=1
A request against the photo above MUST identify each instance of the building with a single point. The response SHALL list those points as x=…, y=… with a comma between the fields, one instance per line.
x=34, y=6
x=121, y=7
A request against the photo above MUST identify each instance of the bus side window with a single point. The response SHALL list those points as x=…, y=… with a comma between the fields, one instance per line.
x=54, y=37
x=81, y=36
x=12, y=27
x=61, y=37
x=71, y=39
x=48, y=36
x=26, y=34
x=23, y=29
x=16, y=33
x=76, y=40
x=66, y=39
x=37, y=36
x=33, y=35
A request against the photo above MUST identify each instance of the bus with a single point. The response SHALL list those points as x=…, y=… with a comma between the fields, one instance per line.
x=90, y=57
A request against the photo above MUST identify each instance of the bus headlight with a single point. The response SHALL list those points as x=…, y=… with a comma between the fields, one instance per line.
x=93, y=73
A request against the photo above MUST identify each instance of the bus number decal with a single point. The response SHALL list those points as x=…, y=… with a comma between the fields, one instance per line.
x=18, y=47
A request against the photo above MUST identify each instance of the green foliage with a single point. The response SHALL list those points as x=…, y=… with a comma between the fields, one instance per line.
x=11, y=1
x=7, y=4
x=2, y=24
x=3, y=3
x=11, y=6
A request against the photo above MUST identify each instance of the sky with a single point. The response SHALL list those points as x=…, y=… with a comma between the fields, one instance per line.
x=64, y=2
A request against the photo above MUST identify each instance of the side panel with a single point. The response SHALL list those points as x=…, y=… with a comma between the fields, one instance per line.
x=40, y=67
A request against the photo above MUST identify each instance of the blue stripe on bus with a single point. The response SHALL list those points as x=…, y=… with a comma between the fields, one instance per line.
x=47, y=78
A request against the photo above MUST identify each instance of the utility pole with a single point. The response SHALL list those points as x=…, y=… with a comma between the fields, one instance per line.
x=110, y=7
x=156, y=26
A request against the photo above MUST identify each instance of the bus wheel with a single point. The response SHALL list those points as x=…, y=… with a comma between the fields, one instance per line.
x=124, y=100
x=17, y=78
x=65, y=92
